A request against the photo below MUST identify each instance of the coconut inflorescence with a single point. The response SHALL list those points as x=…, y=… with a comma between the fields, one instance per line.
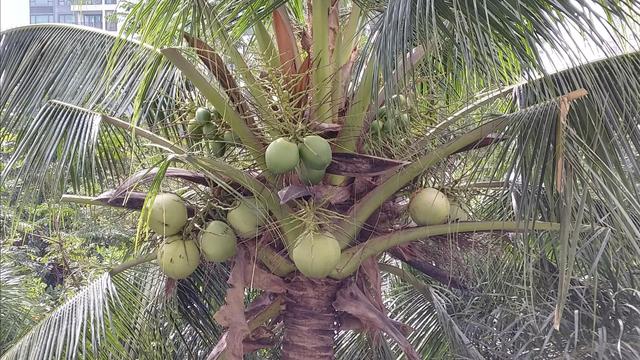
x=178, y=258
x=429, y=207
x=218, y=241
x=316, y=254
x=168, y=214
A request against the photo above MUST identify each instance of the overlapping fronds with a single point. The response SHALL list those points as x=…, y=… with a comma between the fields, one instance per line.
x=478, y=43
x=82, y=67
x=66, y=143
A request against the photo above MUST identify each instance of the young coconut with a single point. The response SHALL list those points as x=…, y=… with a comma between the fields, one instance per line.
x=281, y=156
x=203, y=115
x=376, y=127
x=168, y=214
x=231, y=138
x=316, y=254
x=315, y=152
x=178, y=258
x=247, y=217
x=216, y=147
x=456, y=213
x=194, y=128
x=429, y=207
x=218, y=241
x=209, y=131
x=310, y=176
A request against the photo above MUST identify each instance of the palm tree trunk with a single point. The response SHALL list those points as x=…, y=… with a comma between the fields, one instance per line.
x=309, y=319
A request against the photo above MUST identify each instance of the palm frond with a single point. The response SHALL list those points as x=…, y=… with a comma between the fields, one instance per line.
x=64, y=142
x=475, y=44
x=16, y=310
x=83, y=67
x=575, y=170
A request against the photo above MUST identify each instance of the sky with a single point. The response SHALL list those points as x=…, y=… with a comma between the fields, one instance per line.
x=13, y=13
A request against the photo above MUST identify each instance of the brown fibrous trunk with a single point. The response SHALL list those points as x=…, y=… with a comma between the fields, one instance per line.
x=309, y=319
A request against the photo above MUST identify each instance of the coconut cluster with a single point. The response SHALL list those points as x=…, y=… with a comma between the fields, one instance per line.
x=207, y=127
x=311, y=157
x=397, y=118
x=179, y=257
x=430, y=206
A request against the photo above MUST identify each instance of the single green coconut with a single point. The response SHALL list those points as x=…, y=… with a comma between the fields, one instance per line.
x=316, y=254
x=209, y=131
x=281, y=156
x=390, y=125
x=247, y=217
x=178, y=258
x=382, y=112
x=203, y=115
x=429, y=207
x=456, y=213
x=231, y=138
x=401, y=101
x=376, y=127
x=310, y=176
x=168, y=214
x=216, y=147
x=315, y=152
x=218, y=241
x=404, y=119
x=194, y=128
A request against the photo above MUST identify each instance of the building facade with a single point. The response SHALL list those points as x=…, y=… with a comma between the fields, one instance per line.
x=100, y=14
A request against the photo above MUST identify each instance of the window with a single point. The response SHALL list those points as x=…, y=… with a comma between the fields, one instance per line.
x=110, y=1
x=41, y=2
x=67, y=18
x=111, y=20
x=64, y=2
x=93, y=20
x=41, y=19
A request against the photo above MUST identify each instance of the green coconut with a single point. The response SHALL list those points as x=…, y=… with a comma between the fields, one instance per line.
x=203, y=115
x=218, y=241
x=247, y=217
x=216, y=147
x=194, y=128
x=404, y=119
x=209, y=131
x=382, y=112
x=231, y=138
x=429, y=207
x=310, y=176
x=316, y=254
x=315, y=152
x=168, y=214
x=456, y=213
x=281, y=156
x=390, y=125
x=178, y=258
x=376, y=127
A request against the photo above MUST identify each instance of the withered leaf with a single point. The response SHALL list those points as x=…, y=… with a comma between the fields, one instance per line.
x=353, y=301
x=357, y=165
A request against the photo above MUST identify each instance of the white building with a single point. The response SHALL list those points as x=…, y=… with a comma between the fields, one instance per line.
x=99, y=14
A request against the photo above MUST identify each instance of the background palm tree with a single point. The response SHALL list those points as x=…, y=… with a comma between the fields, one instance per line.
x=545, y=170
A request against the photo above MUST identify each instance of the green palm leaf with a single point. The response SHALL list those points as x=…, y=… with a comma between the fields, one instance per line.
x=82, y=67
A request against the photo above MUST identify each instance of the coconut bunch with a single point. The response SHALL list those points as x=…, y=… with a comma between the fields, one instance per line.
x=208, y=130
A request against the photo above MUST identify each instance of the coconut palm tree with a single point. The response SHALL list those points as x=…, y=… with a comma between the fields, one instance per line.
x=402, y=178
